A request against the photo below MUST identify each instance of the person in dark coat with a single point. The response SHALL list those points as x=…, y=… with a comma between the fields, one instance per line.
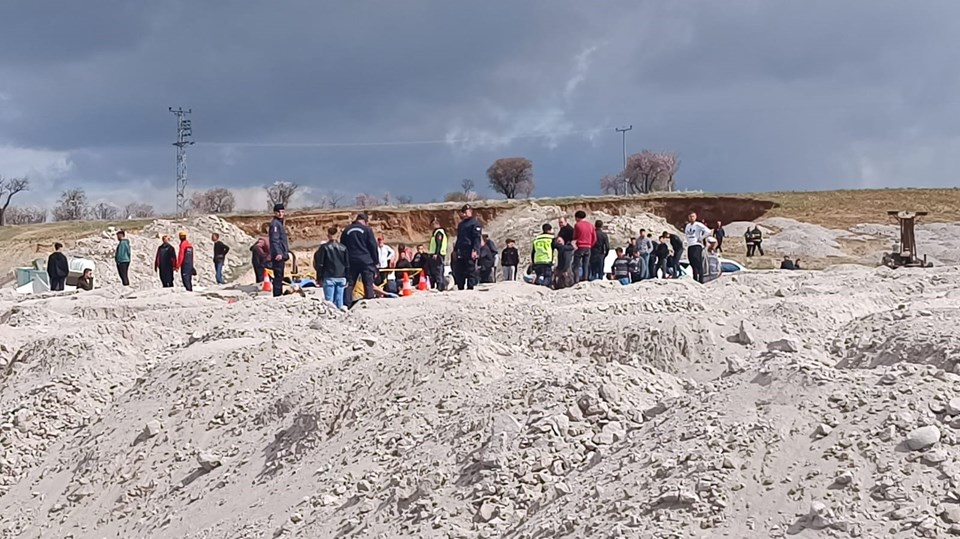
x=598, y=254
x=260, y=256
x=509, y=260
x=185, y=262
x=487, y=259
x=466, y=250
x=279, y=248
x=165, y=261
x=220, y=251
x=363, y=254
x=662, y=250
x=565, y=231
x=57, y=268
x=563, y=277
x=676, y=243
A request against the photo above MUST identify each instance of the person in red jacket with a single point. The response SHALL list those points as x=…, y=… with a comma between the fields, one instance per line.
x=185, y=262
x=584, y=238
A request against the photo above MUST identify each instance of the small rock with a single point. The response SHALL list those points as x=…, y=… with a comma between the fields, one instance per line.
x=745, y=335
x=209, y=461
x=923, y=437
x=296, y=518
x=934, y=457
x=783, y=345
x=951, y=515
x=574, y=413
x=152, y=428
x=953, y=406
x=734, y=366
x=823, y=430
x=610, y=393
x=369, y=341
x=845, y=478
x=487, y=512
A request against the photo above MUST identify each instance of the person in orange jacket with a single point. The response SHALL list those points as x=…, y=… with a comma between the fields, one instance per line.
x=185, y=262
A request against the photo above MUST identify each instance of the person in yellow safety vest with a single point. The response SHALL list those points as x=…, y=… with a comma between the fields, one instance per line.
x=437, y=256
x=543, y=256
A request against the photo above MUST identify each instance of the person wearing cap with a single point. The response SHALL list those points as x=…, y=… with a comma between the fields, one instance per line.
x=711, y=261
x=362, y=254
x=279, y=248
x=436, y=257
x=165, y=262
x=466, y=249
x=122, y=257
x=185, y=262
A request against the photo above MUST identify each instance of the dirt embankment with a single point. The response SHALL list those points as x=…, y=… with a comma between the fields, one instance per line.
x=414, y=224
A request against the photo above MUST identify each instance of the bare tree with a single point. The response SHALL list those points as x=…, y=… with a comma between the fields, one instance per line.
x=613, y=185
x=281, y=192
x=335, y=199
x=26, y=215
x=387, y=199
x=649, y=171
x=511, y=176
x=404, y=200
x=104, y=211
x=216, y=200
x=8, y=188
x=72, y=206
x=467, y=185
x=136, y=210
x=364, y=200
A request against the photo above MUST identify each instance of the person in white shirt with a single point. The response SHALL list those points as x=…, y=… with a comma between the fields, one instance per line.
x=386, y=255
x=696, y=233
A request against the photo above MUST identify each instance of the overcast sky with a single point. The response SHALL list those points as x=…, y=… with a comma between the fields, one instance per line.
x=411, y=96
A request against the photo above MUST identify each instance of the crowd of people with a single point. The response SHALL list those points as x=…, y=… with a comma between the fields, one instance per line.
x=355, y=263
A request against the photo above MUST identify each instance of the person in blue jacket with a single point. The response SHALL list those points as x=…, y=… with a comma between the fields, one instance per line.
x=279, y=248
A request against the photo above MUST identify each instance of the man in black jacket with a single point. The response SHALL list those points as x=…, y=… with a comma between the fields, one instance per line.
x=165, y=262
x=279, y=248
x=509, y=260
x=220, y=251
x=363, y=256
x=57, y=268
x=332, y=263
x=598, y=254
x=676, y=243
x=565, y=231
x=487, y=259
x=466, y=250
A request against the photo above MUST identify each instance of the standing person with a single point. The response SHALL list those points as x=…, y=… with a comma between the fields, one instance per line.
x=598, y=254
x=563, y=277
x=644, y=249
x=509, y=260
x=466, y=249
x=631, y=249
x=652, y=267
x=437, y=255
x=584, y=238
x=332, y=262
x=122, y=257
x=542, y=256
x=260, y=257
x=633, y=267
x=711, y=261
x=621, y=268
x=185, y=262
x=663, y=256
x=676, y=245
x=719, y=233
x=697, y=234
x=220, y=251
x=748, y=240
x=279, y=248
x=565, y=231
x=487, y=259
x=385, y=259
x=165, y=261
x=362, y=255
x=57, y=268
x=757, y=237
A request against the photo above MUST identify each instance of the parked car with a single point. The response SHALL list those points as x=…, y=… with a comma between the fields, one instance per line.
x=726, y=266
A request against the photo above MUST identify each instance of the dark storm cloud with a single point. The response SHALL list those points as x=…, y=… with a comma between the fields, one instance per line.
x=753, y=95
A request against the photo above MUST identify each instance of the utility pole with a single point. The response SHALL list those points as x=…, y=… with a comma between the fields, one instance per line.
x=623, y=133
x=184, y=134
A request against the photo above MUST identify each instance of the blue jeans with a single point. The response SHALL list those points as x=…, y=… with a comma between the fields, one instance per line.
x=218, y=267
x=333, y=290
x=644, y=266
x=624, y=280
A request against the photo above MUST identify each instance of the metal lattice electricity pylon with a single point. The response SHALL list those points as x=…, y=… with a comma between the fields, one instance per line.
x=184, y=133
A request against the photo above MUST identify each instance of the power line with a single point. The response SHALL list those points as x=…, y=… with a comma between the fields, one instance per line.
x=184, y=134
